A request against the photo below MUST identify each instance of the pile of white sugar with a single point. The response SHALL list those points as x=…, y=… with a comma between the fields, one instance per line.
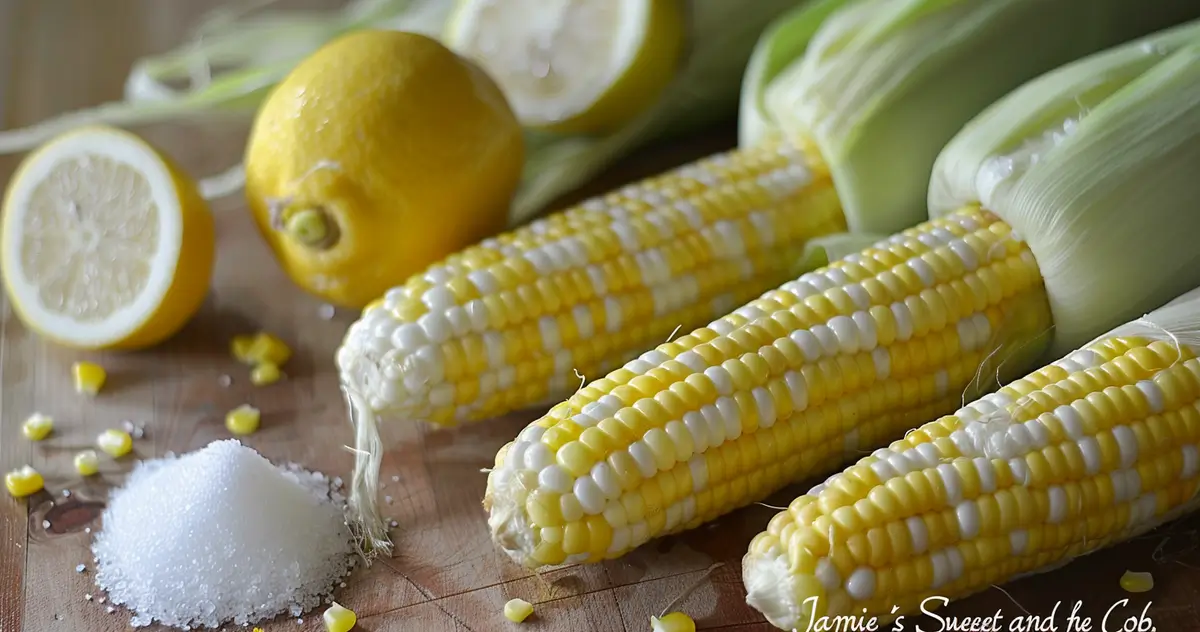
x=221, y=535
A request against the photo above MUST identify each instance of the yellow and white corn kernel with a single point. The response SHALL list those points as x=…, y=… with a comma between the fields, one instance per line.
x=338, y=618
x=37, y=426
x=517, y=610
x=116, y=443
x=89, y=377
x=243, y=420
x=672, y=622
x=788, y=385
x=86, y=462
x=507, y=323
x=1086, y=452
x=23, y=481
x=265, y=373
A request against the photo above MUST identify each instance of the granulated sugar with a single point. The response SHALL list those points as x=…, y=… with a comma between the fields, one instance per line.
x=221, y=535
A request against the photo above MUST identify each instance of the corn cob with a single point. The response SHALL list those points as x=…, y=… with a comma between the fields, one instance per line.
x=851, y=355
x=1084, y=453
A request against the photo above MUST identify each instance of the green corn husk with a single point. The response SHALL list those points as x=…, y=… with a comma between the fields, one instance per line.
x=884, y=84
x=1096, y=166
x=238, y=54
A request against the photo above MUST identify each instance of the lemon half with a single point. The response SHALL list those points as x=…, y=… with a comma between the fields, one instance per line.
x=573, y=66
x=105, y=243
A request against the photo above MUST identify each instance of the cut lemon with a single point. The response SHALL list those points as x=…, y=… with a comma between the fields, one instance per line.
x=573, y=66
x=105, y=243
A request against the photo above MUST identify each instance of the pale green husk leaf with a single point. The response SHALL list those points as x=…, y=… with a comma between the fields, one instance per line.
x=885, y=84
x=1096, y=165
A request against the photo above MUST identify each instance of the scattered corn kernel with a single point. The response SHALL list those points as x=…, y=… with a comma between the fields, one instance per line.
x=240, y=347
x=339, y=619
x=308, y=226
x=89, y=377
x=117, y=443
x=37, y=427
x=517, y=610
x=242, y=420
x=264, y=373
x=23, y=481
x=268, y=348
x=87, y=462
x=1137, y=582
x=673, y=622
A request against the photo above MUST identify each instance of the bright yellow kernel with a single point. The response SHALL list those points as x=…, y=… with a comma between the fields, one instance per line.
x=259, y=348
x=86, y=462
x=37, y=427
x=240, y=347
x=23, y=481
x=116, y=443
x=242, y=420
x=264, y=373
x=517, y=610
x=673, y=622
x=1137, y=582
x=89, y=377
x=339, y=618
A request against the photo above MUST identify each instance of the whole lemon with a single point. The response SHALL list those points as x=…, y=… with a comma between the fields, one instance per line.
x=378, y=155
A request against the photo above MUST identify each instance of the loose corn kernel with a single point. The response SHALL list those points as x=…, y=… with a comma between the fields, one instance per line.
x=242, y=420
x=268, y=348
x=1137, y=582
x=517, y=610
x=89, y=377
x=23, y=481
x=673, y=622
x=264, y=373
x=339, y=618
x=240, y=347
x=86, y=462
x=117, y=443
x=308, y=226
x=37, y=427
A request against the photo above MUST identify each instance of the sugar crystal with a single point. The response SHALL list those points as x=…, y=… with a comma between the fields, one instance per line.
x=220, y=535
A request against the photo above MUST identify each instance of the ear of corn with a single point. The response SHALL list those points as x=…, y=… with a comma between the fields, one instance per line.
x=790, y=384
x=843, y=359
x=1086, y=452
x=885, y=84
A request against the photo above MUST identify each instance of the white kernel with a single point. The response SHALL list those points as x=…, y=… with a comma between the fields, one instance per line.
x=720, y=379
x=438, y=297
x=493, y=342
x=699, y=468
x=572, y=511
x=861, y=584
x=884, y=470
x=1154, y=395
x=941, y=383
x=808, y=343
x=596, y=276
x=917, y=533
x=644, y=457
x=765, y=405
x=688, y=507
x=442, y=395
x=941, y=568
x=883, y=363
x=638, y=366
x=987, y=475
x=409, y=337
x=722, y=327
x=437, y=274
x=951, y=482
x=589, y=495
x=564, y=363
x=679, y=436
x=674, y=515
x=1020, y=471
x=726, y=239
x=606, y=480
x=966, y=334
x=957, y=565
x=689, y=211
x=928, y=240
x=731, y=414
x=698, y=429
x=583, y=321
x=555, y=478
x=691, y=360
x=436, y=327
x=477, y=312
x=626, y=235
x=904, y=324
x=538, y=457
x=516, y=454
x=862, y=299
x=540, y=260
x=1191, y=462
x=762, y=225
x=1057, y=510
x=620, y=540
x=1127, y=443
x=1089, y=448
x=868, y=338
x=965, y=253
x=797, y=389
x=801, y=289
x=1071, y=422
x=845, y=329
x=828, y=339
x=923, y=270
x=983, y=328
x=827, y=574
x=715, y=424
x=612, y=314
x=1039, y=436
x=1017, y=541
x=483, y=280
x=584, y=420
x=750, y=313
x=640, y=533
x=548, y=327
x=425, y=366
x=460, y=322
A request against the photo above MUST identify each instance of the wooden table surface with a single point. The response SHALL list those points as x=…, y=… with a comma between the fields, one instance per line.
x=57, y=55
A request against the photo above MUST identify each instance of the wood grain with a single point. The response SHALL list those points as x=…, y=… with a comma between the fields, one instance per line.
x=57, y=55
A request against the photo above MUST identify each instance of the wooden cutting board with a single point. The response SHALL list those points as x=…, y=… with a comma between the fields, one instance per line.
x=57, y=55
